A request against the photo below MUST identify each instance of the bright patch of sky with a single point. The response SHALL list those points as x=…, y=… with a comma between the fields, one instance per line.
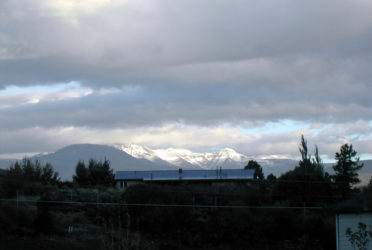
x=15, y=90
x=18, y=156
x=356, y=137
x=321, y=128
x=71, y=10
x=365, y=157
x=362, y=157
x=74, y=88
x=13, y=96
x=282, y=126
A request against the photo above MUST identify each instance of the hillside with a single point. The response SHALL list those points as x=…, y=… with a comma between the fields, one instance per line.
x=137, y=157
x=65, y=159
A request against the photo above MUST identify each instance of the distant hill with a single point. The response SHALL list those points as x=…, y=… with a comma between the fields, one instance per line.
x=64, y=160
x=366, y=171
x=277, y=166
x=136, y=157
x=5, y=163
x=364, y=174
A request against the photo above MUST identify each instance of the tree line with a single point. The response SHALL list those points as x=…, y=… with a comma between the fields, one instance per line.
x=279, y=212
x=309, y=178
x=309, y=175
x=96, y=173
x=29, y=176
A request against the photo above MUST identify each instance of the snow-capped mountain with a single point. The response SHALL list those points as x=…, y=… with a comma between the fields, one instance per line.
x=156, y=156
x=136, y=157
x=138, y=151
x=225, y=158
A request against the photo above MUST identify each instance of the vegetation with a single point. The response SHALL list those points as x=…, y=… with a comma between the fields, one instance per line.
x=29, y=176
x=96, y=174
x=307, y=182
x=258, y=174
x=239, y=225
x=292, y=211
x=346, y=169
x=33, y=171
x=360, y=238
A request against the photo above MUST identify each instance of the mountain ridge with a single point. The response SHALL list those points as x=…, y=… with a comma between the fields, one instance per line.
x=186, y=158
x=65, y=159
x=137, y=157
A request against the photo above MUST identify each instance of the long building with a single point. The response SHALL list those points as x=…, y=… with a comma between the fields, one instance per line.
x=126, y=178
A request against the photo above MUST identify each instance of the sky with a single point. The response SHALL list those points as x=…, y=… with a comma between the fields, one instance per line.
x=203, y=75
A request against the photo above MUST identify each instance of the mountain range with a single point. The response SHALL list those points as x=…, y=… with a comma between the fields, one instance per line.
x=137, y=157
x=225, y=158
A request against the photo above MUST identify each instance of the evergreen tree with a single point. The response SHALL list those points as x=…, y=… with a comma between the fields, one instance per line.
x=306, y=182
x=33, y=171
x=28, y=169
x=317, y=162
x=27, y=175
x=307, y=164
x=81, y=176
x=38, y=169
x=258, y=174
x=108, y=173
x=15, y=170
x=97, y=173
x=271, y=177
x=346, y=169
x=48, y=176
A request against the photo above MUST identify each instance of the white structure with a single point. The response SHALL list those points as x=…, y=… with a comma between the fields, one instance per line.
x=351, y=220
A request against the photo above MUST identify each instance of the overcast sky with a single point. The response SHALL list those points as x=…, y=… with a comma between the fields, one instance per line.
x=203, y=75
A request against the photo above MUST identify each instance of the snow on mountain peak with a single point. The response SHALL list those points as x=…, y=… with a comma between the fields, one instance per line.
x=176, y=156
x=228, y=153
x=137, y=151
x=185, y=158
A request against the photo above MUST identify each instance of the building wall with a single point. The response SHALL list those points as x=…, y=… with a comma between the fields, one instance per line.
x=125, y=184
x=344, y=221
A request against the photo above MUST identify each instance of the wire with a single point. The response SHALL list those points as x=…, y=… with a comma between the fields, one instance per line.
x=155, y=205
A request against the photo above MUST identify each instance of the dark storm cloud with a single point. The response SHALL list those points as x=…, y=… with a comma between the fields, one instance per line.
x=200, y=63
x=141, y=42
x=204, y=105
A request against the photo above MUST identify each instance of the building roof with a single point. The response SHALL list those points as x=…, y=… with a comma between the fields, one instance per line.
x=191, y=175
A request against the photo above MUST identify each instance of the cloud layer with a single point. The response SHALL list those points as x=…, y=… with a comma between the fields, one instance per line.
x=196, y=74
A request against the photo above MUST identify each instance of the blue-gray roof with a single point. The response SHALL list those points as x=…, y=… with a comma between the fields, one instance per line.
x=169, y=175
